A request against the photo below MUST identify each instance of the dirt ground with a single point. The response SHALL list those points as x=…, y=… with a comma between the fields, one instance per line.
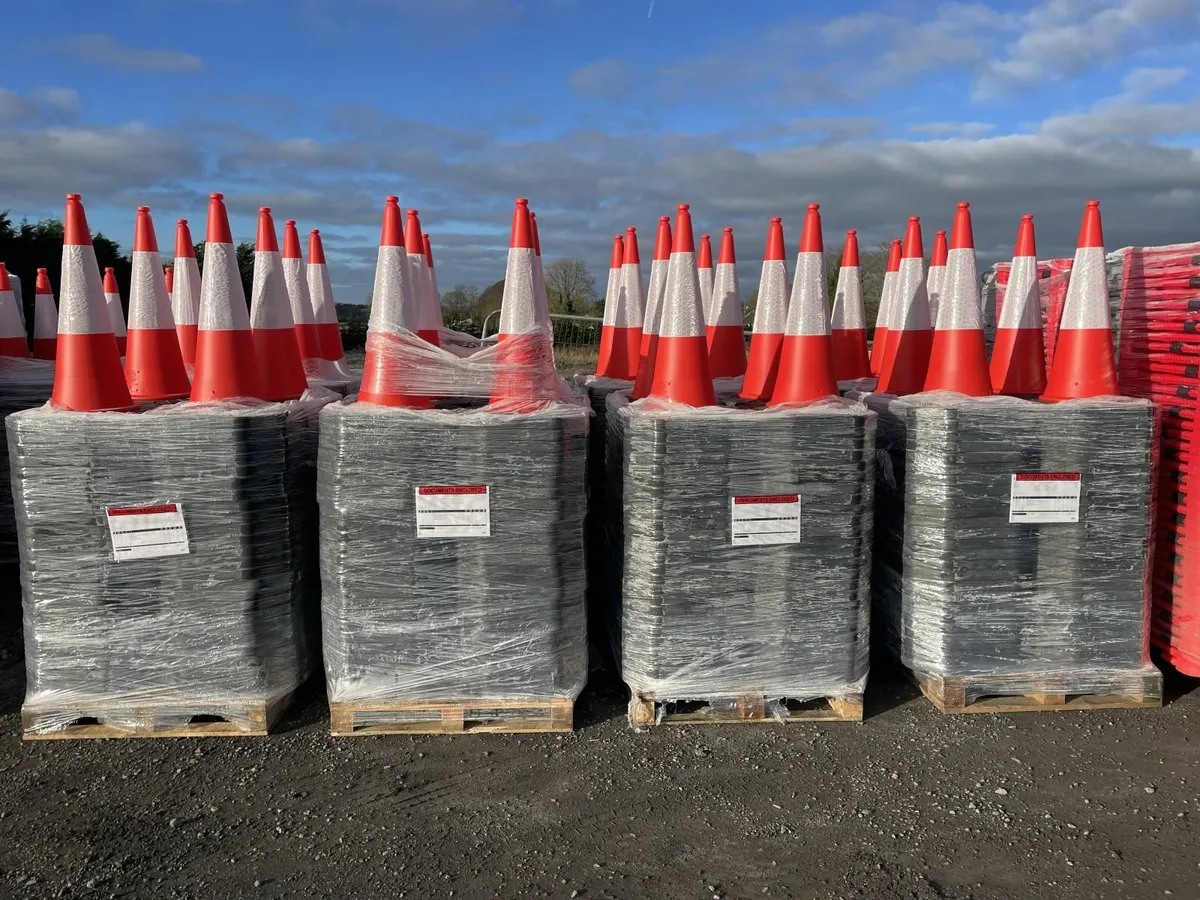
x=908, y=804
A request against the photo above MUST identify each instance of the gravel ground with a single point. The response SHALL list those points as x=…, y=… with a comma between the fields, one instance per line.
x=908, y=804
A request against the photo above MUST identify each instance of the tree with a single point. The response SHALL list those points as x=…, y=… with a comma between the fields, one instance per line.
x=459, y=306
x=570, y=288
x=489, y=300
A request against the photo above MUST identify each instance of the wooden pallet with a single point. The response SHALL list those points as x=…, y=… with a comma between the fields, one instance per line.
x=201, y=718
x=1000, y=694
x=451, y=717
x=748, y=709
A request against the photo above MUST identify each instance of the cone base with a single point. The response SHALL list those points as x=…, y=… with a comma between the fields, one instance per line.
x=280, y=366
x=850, y=357
x=309, y=341
x=226, y=367
x=522, y=361
x=1019, y=362
x=805, y=370
x=681, y=372
x=958, y=362
x=383, y=375
x=645, y=370
x=154, y=368
x=1084, y=365
x=186, y=335
x=45, y=348
x=907, y=362
x=878, y=346
x=331, y=341
x=620, y=350
x=726, y=350
x=14, y=346
x=762, y=367
x=88, y=376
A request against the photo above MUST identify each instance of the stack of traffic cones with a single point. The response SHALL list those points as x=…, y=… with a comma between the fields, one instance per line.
x=12, y=330
x=612, y=298
x=770, y=318
x=704, y=275
x=1018, y=364
x=958, y=355
x=154, y=367
x=295, y=278
x=324, y=307
x=937, y=275
x=271, y=324
x=45, y=318
x=226, y=363
x=429, y=319
x=849, y=319
x=541, y=298
x=883, y=315
x=185, y=292
x=621, y=335
x=112, y=298
x=654, y=309
x=910, y=334
x=724, y=329
x=524, y=342
x=169, y=275
x=87, y=374
x=806, y=357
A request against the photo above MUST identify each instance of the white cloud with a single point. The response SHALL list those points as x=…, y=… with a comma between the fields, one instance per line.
x=105, y=50
x=609, y=78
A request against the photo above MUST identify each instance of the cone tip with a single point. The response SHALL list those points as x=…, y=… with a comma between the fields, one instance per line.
x=216, y=196
x=811, y=240
x=814, y=206
x=776, y=220
x=684, y=207
x=392, y=199
x=143, y=209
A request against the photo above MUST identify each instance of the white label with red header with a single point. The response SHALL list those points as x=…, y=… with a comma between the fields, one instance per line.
x=147, y=532
x=1040, y=498
x=760, y=521
x=454, y=511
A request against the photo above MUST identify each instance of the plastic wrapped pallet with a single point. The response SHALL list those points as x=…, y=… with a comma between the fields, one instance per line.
x=1013, y=542
x=24, y=384
x=168, y=565
x=746, y=558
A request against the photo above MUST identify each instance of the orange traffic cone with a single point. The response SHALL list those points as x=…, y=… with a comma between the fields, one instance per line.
x=725, y=332
x=320, y=288
x=435, y=312
x=295, y=278
x=621, y=337
x=87, y=375
x=653, y=317
x=958, y=355
x=45, y=318
x=1019, y=354
x=271, y=325
x=153, y=363
x=910, y=335
x=770, y=319
x=849, y=320
x=1084, y=364
x=806, y=358
x=539, y=276
x=12, y=331
x=112, y=299
x=185, y=292
x=704, y=272
x=883, y=314
x=612, y=294
x=524, y=341
x=937, y=275
x=428, y=315
x=169, y=275
x=681, y=372
x=226, y=362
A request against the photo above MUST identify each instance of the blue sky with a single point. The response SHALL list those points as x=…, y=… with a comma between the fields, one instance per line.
x=606, y=114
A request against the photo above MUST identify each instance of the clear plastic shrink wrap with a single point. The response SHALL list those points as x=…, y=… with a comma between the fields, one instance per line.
x=452, y=549
x=708, y=609
x=24, y=384
x=1016, y=605
x=224, y=621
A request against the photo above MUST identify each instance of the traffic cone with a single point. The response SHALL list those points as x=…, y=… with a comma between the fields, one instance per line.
x=226, y=361
x=1084, y=364
x=393, y=317
x=653, y=316
x=1019, y=354
x=910, y=335
x=681, y=372
x=621, y=335
x=883, y=314
x=112, y=299
x=45, y=318
x=849, y=321
x=169, y=275
x=612, y=290
x=725, y=332
x=12, y=332
x=320, y=288
x=87, y=374
x=806, y=357
x=541, y=298
x=524, y=343
x=937, y=275
x=958, y=354
x=427, y=249
x=295, y=279
x=704, y=272
x=153, y=363
x=185, y=292
x=429, y=318
x=271, y=325
x=770, y=319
